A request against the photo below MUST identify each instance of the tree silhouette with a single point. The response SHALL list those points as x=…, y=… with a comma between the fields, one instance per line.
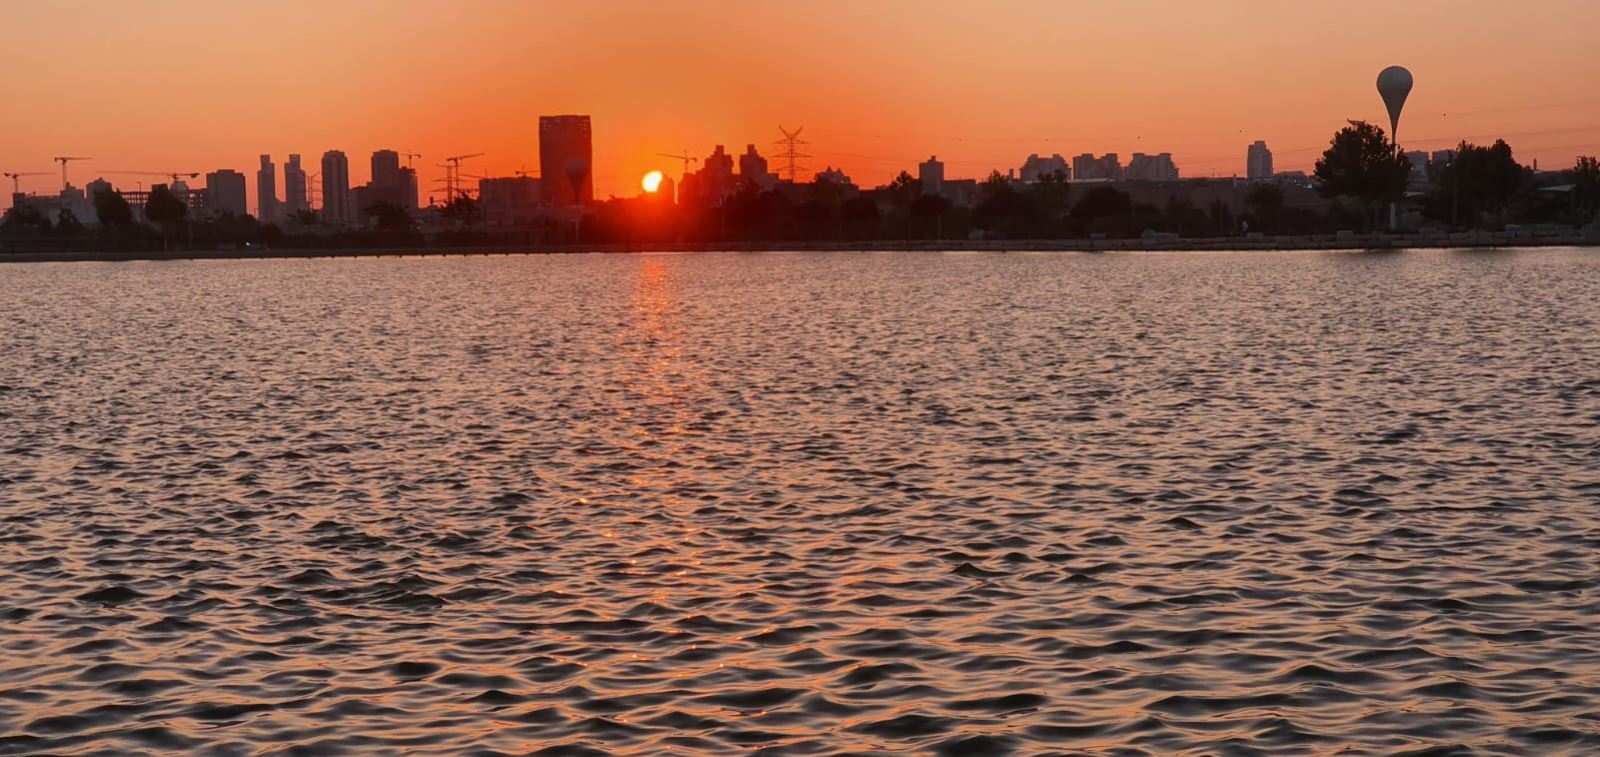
x=826, y=190
x=112, y=209
x=754, y=214
x=815, y=217
x=1478, y=181
x=1180, y=216
x=931, y=206
x=164, y=209
x=1360, y=163
x=1050, y=196
x=391, y=218
x=1002, y=207
x=23, y=219
x=860, y=216
x=1265, y=201
x=67, y=223
x=1586, y=182
x=904, y=189
x=1102, y=202
x=462, y=210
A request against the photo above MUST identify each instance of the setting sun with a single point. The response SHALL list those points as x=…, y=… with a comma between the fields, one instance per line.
x=652, y=181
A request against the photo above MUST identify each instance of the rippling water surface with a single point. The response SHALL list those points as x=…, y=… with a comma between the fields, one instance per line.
x=959, y=504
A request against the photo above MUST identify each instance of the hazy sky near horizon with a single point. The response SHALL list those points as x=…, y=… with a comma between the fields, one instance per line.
x=195, y=85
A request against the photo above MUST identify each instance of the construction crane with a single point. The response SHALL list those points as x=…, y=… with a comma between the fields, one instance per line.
x=409, y=156
x=685, y=157
x=16, y=179
x=460, y=187
x=64, y=160
x=173, y=175
x=452, y=172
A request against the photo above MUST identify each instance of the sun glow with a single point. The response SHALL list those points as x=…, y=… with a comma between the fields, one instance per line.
x=652, y=181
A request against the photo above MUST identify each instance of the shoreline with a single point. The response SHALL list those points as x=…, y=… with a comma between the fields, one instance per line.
x=1483, y=240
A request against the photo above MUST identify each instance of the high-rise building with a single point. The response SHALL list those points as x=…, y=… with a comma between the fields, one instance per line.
x=386, y=168
x=1258, y=162
x=336, y=188
x=1036, y=168
x=225, y=193
x=1441, y=158
x=718, y=166
x=1142, y=167
x=930, y=173
x=390, y=185
x=1087, y=166
x=753, y=169
x=294, y=187
x=566, y=160
x=711, y=184
x=408, y=183
x=267, y=191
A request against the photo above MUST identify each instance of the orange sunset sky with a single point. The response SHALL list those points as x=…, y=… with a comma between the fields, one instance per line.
x=186, y=85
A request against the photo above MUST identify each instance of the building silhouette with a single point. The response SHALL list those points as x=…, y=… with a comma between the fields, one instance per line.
x=336, y=188
x=930, y=173
x=831, y=175
x=510, y=201
x=390, y=185
x=386, y=169
x=1036, y=168
x=1087, y=166
x=711, y=184
x=267, y=191
x=1258, y=162
x=1142, y=167
x=225, y=193
x=753, y=170
x=294, y=187
x=718, y=167
x=566, y=160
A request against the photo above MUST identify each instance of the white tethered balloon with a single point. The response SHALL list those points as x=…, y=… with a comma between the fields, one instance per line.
x=1394, y=83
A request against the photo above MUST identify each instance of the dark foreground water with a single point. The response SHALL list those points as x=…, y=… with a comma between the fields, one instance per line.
x=964, y=504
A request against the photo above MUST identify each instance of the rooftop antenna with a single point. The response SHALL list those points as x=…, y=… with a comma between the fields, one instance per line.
x=791, y=154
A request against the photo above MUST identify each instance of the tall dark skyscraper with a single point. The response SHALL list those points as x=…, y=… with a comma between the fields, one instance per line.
x=294, y=187
x=336, y=188
x=566, y=160
x=267, y=191
x=386, y=168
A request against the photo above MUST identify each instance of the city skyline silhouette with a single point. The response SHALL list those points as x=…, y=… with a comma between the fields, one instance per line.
x=981, y=88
